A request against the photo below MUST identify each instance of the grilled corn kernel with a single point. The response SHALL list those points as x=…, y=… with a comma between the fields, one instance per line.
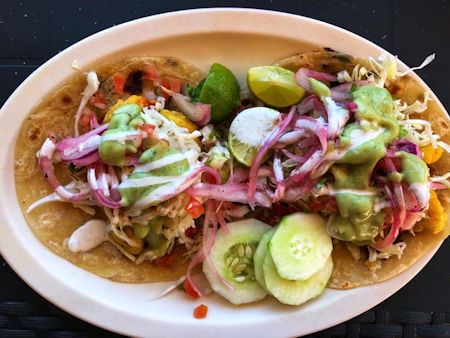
x=437, y=218
x=139, y=100
x=431, y=155
x=130, y=234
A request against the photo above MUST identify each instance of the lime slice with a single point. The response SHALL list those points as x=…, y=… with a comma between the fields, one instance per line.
x=221, y=91
x=274, y=85
x=249, y=130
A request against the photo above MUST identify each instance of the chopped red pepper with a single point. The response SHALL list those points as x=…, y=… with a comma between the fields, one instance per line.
x=147, y=128
x=194, y=208
x=175, y=85
x=149, y=73
x=119, y=83
x=201, y=311
x=165, y=260
x=189, y=289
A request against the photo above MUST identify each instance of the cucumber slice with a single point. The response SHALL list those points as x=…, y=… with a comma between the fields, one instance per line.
x=260, y=254
x=294, y=292
x=232, y=256
x=300, y=246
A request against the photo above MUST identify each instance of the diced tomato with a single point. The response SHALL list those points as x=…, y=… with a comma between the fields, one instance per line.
x=147, y=128
x=119, y=83
x=165, y=260
x=201, y=311
x=98, y=100
x=175, y=85
x=192, y=232
x=84, y=121
x=149, y=73
x=165, y=83
x=194, y=208
x=189, y=289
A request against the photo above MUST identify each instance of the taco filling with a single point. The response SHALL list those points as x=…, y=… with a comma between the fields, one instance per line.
x=309, y=178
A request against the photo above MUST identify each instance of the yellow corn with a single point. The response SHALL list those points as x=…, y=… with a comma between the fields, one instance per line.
x=180, y=119
x=140, y=100
x=130, y=234
x=437, y=218
x=431, y=155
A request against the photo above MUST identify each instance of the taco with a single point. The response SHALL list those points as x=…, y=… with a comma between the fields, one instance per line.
x=168, y=167
x=352, y=267
x=53, y=223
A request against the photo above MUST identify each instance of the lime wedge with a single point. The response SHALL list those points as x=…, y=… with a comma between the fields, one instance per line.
x=221, y=91
x=274, y=85
x=249, y=130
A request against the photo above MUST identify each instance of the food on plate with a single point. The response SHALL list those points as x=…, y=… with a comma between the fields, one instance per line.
x=331, y=171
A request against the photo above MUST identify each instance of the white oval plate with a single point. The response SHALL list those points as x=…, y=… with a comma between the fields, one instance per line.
x=239, y=38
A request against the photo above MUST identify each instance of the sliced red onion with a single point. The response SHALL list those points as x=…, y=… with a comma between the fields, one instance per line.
x=399, y=216
x=93, y=122
x=46, y=166
x=268, y=143
x=310, y=103
x=86, y=160
x=208, y=242
x=296, y=190
x=238, y=176
x=308, y=142
x=230, y=192
x=238, y=212
x=98, y=187
x=305, y=168
x=337, y=118
x=306, y=123
x=314, y=155
x=342, y=92
x=304, y=74
x=306, y=105
x=197, y=112
x=289, y=138
x=299, y=159
x=279, y=177
x=113, y=182
x=70, y=145
x=409, y=147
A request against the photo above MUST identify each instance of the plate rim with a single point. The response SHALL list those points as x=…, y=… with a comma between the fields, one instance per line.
x=9, y=256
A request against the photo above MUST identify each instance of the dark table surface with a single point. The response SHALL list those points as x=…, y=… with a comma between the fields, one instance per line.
x=33, y=31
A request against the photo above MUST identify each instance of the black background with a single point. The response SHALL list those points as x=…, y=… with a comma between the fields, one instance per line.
x=33, y=31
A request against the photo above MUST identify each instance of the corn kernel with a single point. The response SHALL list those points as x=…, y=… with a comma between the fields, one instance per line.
x=437, y=218
x=431, y=155
x=140, y=100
